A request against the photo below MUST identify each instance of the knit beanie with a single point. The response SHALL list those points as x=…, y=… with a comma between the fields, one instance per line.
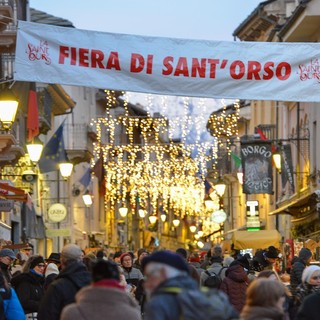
x=308, y=272
x=305, y=254
x=51, y=269
x=166, y=257
x=35, y=261
x=126, y=254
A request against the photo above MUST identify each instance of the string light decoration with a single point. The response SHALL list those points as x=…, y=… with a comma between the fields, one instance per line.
x=223, y=125
x=153, y=168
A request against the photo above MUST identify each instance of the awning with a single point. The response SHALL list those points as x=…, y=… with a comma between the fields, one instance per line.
x=292, y=207
x=261, y=239
x=18, y=194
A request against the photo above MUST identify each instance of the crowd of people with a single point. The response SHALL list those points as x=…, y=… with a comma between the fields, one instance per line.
x=163, y=285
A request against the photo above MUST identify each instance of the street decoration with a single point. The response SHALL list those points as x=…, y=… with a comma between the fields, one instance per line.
x=216, y=69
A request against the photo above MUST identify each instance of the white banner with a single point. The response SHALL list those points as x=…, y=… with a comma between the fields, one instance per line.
x=214, y=69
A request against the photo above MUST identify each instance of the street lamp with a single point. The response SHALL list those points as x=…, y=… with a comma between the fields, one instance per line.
x=8, y=108
x=87, y=199
x=220, y=187
x=65, y=169
x=276, y=157
x=176, y=222
x=152, y=219
x=163, y=217
x=34, y=150
x=123, y=212
x=142, y=213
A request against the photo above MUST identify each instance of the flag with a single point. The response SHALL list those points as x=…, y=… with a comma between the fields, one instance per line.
x=33, y=113
x=236, y=159
x=99, y=172
x=263, y=137
x=208, y=187
x=53, y=152
x=86, y=178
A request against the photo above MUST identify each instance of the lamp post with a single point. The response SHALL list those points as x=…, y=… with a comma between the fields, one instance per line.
x=87, y=200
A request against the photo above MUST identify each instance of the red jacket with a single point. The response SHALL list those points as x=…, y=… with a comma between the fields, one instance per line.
x=235, y=286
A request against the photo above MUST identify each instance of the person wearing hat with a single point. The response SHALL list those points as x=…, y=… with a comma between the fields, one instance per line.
x=164, y=269
x=132, y=275
x=29, y=285
x=54, y=257
x=105, y=298
x=7, y=257
x=303, y=260
x=265, y=259
x=61, y=292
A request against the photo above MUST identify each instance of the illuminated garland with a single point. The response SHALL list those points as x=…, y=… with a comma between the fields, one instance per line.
x=155, y=170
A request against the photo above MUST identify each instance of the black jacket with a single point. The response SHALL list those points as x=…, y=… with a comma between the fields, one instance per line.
x=310, y=308
x=29, y=288
x=62, y=290
x=296, y=273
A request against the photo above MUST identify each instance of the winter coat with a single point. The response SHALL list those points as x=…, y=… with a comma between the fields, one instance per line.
x=102, y=302
x=62, y=290
x=29, y=289
x=296, y=273
x=235, y=286
x=215, y=267
x=6, y=271
x=12, y=307
x=132, y=275
x=164, y=305
x=310, y=308
x=261, y=313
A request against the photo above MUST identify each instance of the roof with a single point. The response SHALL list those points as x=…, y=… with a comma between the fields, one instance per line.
x=45, y=18
x=295, y=15
x=255, y=13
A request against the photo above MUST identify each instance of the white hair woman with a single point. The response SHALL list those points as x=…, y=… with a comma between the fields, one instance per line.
x=310, y=283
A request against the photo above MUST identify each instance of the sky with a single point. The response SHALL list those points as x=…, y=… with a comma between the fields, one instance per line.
x=189, y=19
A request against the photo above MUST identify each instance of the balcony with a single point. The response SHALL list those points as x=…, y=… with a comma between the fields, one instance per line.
x=78, y=140
x=6, y=13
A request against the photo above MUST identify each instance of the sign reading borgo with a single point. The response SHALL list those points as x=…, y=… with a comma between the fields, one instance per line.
x=57, y=212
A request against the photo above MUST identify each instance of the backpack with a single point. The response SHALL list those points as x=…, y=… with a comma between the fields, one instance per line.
x=195, y=304
x=213, y=280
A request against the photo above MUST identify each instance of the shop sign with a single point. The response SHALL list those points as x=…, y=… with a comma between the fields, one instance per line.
x=50, y=233
x=57, y=212
x=6, y=205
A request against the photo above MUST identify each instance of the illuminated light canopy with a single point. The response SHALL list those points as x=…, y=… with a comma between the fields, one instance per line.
x=160, y=169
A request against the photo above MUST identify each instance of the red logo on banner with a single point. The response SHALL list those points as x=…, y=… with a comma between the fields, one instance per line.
x=40, y=52
x=310, y=70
